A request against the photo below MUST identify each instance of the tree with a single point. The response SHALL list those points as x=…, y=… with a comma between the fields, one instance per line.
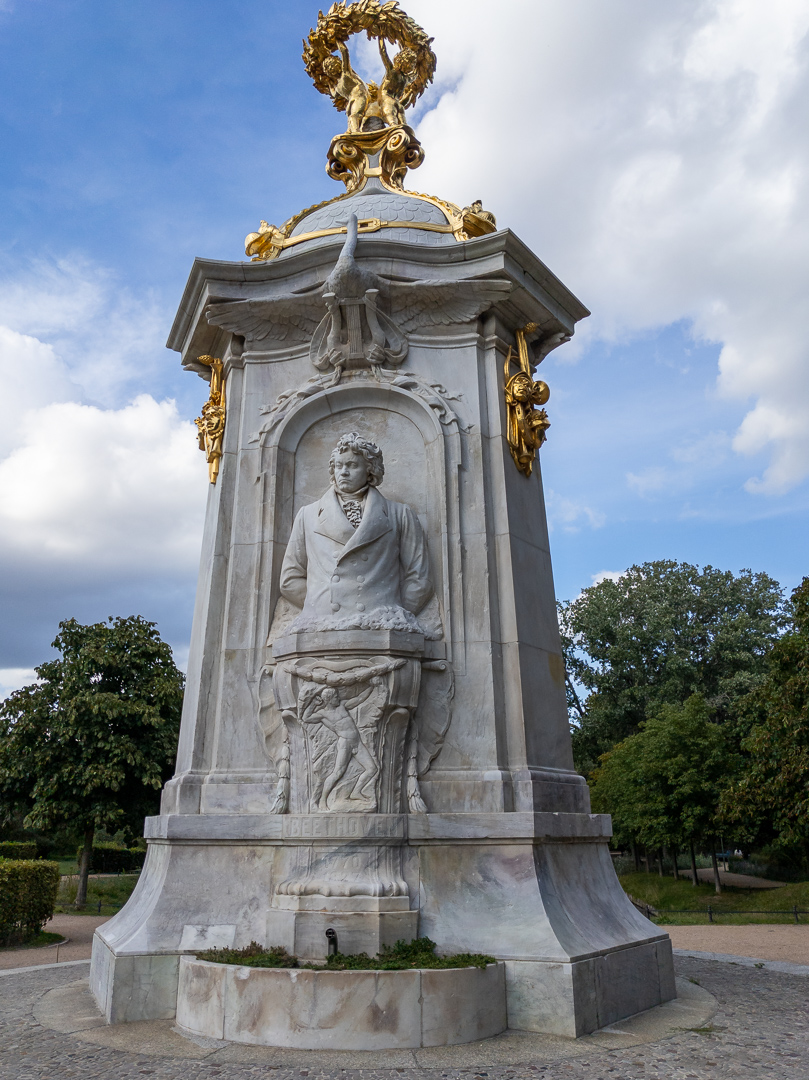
x=770, y=800
x=95, y=738
x=660, y=633
x=663, y=784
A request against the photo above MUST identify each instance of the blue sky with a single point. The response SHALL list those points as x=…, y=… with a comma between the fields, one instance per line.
x=654, y=156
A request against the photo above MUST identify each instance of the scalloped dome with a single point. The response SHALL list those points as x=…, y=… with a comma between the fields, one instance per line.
x=376, y=201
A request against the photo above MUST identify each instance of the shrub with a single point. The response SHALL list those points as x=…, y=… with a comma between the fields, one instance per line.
x=114, y=859
x=253, y=955
x=403, y=956
x=15, y=849
x=27, y=897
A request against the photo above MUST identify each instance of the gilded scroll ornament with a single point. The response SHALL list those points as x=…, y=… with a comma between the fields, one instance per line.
x=527, y=421
x=211, y=424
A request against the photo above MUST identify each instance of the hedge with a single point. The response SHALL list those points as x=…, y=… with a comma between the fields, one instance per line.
x=14, y=849
x=110, y=859
x=27, y=897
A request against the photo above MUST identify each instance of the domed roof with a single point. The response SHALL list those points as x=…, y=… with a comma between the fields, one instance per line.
x=375, y=202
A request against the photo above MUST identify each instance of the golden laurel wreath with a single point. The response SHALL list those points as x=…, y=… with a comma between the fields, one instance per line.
x=378, y=20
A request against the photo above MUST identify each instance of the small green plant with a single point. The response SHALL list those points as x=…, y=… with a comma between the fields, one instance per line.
x=403, y=956
x=253, y=955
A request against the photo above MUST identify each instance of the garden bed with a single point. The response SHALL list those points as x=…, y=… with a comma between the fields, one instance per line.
x=407, y=996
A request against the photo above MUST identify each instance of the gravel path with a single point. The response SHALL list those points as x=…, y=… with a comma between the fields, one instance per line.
x=78, y=928
x=763, y=941
x=760, y=1032
x=738, y=881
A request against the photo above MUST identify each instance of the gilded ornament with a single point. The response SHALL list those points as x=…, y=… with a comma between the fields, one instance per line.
x=406, y=76
x=377, y=142
x=211, y=424
x=526, y=421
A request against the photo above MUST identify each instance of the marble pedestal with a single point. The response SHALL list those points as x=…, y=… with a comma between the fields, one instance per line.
x=480, y=836
x=536, y=890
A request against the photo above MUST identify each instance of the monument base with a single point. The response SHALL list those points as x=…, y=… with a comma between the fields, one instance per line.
x=537, y=891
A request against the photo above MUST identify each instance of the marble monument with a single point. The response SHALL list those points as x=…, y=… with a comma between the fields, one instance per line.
x=375, y=737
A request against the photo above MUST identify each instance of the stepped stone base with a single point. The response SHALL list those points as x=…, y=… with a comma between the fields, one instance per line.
x=537, y=891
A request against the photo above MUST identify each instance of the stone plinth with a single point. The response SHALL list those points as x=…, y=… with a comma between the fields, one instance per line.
x=341, y=1010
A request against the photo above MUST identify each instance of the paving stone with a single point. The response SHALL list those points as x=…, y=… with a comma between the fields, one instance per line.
x=760, y=1031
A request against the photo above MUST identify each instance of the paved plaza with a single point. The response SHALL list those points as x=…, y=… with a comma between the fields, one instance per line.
x=757, y=1026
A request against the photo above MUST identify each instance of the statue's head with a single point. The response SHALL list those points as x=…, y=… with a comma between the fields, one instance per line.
x=329, y=696
x=406, y=61
x=355, y=463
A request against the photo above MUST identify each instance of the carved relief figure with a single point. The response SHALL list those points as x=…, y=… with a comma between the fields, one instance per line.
x=325, y=707
x=355, y=559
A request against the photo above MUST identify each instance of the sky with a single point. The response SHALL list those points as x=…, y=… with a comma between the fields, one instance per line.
x=653, y=155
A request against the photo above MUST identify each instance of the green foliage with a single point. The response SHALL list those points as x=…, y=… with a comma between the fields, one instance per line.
x=27, y=897
x=108, y=858
x=663, y=784
x=665, y=892
x=404, y=955
x=419, y=953
x=661, y=633
x=16, y=849
x=770, y=800
x=253, y=955
x=93, y=741
x=111, y=893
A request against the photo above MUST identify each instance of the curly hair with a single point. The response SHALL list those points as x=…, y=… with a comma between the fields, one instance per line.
x=353, y=441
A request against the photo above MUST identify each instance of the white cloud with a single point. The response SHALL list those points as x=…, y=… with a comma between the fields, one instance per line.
x=607, y=575
x=106, y=340
x=12, y=679
x=102, y=493
x=649, y=481
x=570, y=515
x=654, y=156
x=112, y=488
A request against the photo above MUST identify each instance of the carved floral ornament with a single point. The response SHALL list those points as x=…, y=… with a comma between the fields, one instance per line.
x=377, y=143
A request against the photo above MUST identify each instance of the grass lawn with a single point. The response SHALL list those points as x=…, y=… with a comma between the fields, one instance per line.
x=44, y=937
x=111, y=893
x=67, y=865
x=666, y=893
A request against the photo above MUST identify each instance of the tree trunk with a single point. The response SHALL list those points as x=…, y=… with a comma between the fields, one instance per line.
x=636, y=857
x=715, y=864
x=646, y=860
x=694, y=878
x=660, y=862
x=84, y=867
x=674, y=854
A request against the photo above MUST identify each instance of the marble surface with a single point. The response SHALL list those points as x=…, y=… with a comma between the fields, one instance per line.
x=485, y=829
x=340, y=1010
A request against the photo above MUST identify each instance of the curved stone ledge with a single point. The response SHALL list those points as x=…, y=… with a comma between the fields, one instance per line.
x=340, y=1010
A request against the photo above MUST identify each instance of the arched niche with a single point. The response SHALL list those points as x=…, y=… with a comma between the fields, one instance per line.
x=419, y=453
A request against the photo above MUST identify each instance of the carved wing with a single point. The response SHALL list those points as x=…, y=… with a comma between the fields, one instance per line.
x=292, y=318
x=433, y=303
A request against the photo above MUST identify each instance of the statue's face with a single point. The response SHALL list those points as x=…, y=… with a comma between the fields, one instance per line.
x=350, y=472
